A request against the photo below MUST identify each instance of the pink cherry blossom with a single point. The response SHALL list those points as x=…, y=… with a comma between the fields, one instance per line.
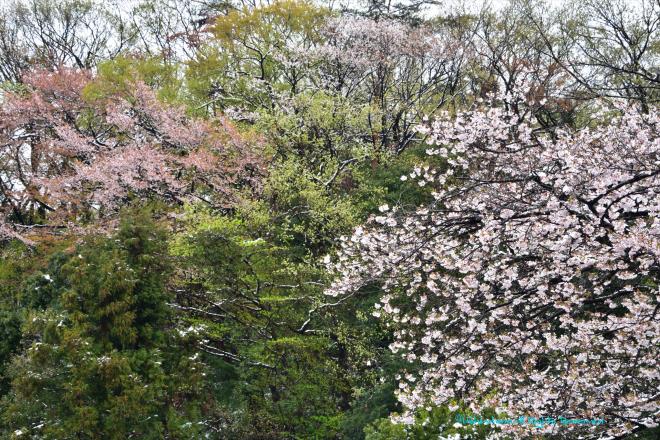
x=63, y=154
x=531, y=282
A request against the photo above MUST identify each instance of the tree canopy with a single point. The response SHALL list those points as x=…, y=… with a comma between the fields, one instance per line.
x=292, y=219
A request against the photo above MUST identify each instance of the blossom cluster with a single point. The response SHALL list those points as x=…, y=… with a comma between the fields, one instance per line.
x=64, y=152
x=530, y=283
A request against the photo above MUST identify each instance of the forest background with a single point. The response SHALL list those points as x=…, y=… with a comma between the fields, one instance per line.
x=180, y=182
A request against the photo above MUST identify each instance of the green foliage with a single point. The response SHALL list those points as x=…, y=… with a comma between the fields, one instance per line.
x=311, y=216
x=437, y=422
x=117, y=77
x=10, y=337
x=254, y=42
x=25, y=284
x=99, y=358
x=251, y=294
x=44, y=288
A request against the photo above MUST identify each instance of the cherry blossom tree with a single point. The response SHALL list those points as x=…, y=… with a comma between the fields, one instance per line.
x=400, y=71
x=64, y=154
x=530, y=283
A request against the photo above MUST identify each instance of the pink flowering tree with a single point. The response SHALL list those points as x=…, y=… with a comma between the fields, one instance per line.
x=530, y=283
x=64, y=154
